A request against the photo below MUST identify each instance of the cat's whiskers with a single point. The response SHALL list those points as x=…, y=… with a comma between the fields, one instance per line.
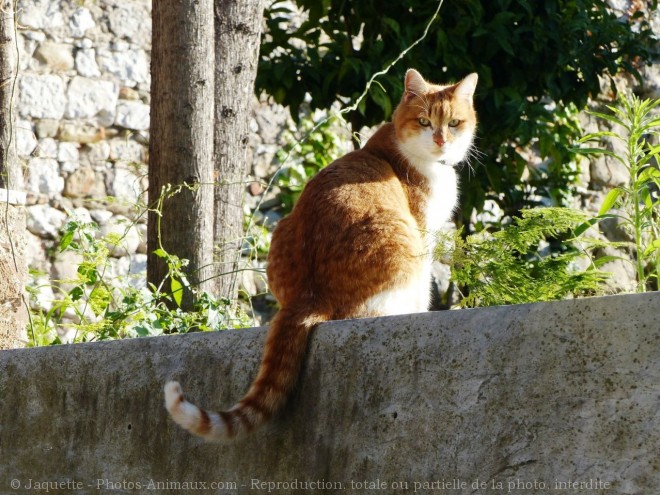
x=424, y=99
x=424, y=109
x=474, y=153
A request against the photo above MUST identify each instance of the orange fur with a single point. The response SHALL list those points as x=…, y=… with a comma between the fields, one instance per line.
x=356, y=244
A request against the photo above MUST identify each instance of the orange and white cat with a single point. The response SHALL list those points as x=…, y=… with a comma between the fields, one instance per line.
x=358, y=243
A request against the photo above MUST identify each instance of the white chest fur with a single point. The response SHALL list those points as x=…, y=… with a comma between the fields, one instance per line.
x=440, y=175
x=414, y=296
x=442, y=197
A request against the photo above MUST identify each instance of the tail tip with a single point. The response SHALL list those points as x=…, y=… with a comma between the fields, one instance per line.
x=173, y=395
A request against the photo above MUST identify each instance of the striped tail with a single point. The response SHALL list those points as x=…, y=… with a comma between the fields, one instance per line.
x=284, y=351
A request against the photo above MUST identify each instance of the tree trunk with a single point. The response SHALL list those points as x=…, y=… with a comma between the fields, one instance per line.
x=10, y=173
x=238, y=25
x=181, y=144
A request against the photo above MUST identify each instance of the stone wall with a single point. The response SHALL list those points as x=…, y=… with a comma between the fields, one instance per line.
x=83, y=106
x=521, y=399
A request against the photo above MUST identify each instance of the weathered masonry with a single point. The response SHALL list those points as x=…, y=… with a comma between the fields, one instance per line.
x=542, y=398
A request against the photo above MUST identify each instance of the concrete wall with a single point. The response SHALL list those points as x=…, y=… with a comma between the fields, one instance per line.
x=512, y=397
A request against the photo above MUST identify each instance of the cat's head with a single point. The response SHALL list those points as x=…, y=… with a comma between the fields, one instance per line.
x=435, y=124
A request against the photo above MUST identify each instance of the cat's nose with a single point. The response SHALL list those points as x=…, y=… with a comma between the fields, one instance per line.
x=439, y=141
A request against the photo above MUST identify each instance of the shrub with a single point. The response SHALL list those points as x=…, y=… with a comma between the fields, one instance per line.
x=636, y=202
x=101, y=306
x=538, y=63
x=512, y=266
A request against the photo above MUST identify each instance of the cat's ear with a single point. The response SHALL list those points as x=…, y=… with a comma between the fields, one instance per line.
x=415, y=84
x=465, y=88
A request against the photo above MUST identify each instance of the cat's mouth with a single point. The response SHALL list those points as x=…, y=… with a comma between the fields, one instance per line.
x=441, y=157
x=448, y=162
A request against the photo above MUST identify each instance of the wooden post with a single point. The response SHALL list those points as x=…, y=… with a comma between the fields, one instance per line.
x=13, y=270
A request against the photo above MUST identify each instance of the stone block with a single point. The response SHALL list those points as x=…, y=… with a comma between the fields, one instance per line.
x=81, y=20
x=126, y=233
x=44, y=177
x=46, y=148
x=84, y=183
x=81, y=132
x=86, y=63
x=36, y=255
x=130, y=66
x=100, y=216
x=64, y=270
x=139, y=267
x=124, y=185
x=126, y=93
x=68, y=152
x=131, y=21
x=57, y=56
x=608, y=173
x=132, y=115
x=46, y=128
x=26, y=141
x=92, y=98
x=126, y=149
x=40, y=14
x=44, y=220
x=97, y=152
x=41, y=96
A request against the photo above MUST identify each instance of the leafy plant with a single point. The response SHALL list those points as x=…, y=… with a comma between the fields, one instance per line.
x=98, y=306
x=538, y=63
x=315, y=147
x=636, y=202
x=511, y=267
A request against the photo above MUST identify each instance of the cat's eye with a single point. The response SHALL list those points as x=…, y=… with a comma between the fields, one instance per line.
x=454, y=123
x=424, y=122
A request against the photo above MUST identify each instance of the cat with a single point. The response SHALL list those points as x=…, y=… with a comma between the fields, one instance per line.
x=358, y=243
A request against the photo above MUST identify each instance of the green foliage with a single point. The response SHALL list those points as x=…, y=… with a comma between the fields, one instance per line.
x=538, y=62
x=508, y=267
x=315, y=147
x=256, y=238
x=99, y=306
x=636, y=202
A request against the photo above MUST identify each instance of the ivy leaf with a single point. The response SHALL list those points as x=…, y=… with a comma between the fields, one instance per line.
x=76, y=293
x=608, y=117
x=141, y=331
x=66, y=240
x=594, y=136
x=160, y=253
x=382, y=100
x=89, y=273
x=177, y=291
x=393, y=25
